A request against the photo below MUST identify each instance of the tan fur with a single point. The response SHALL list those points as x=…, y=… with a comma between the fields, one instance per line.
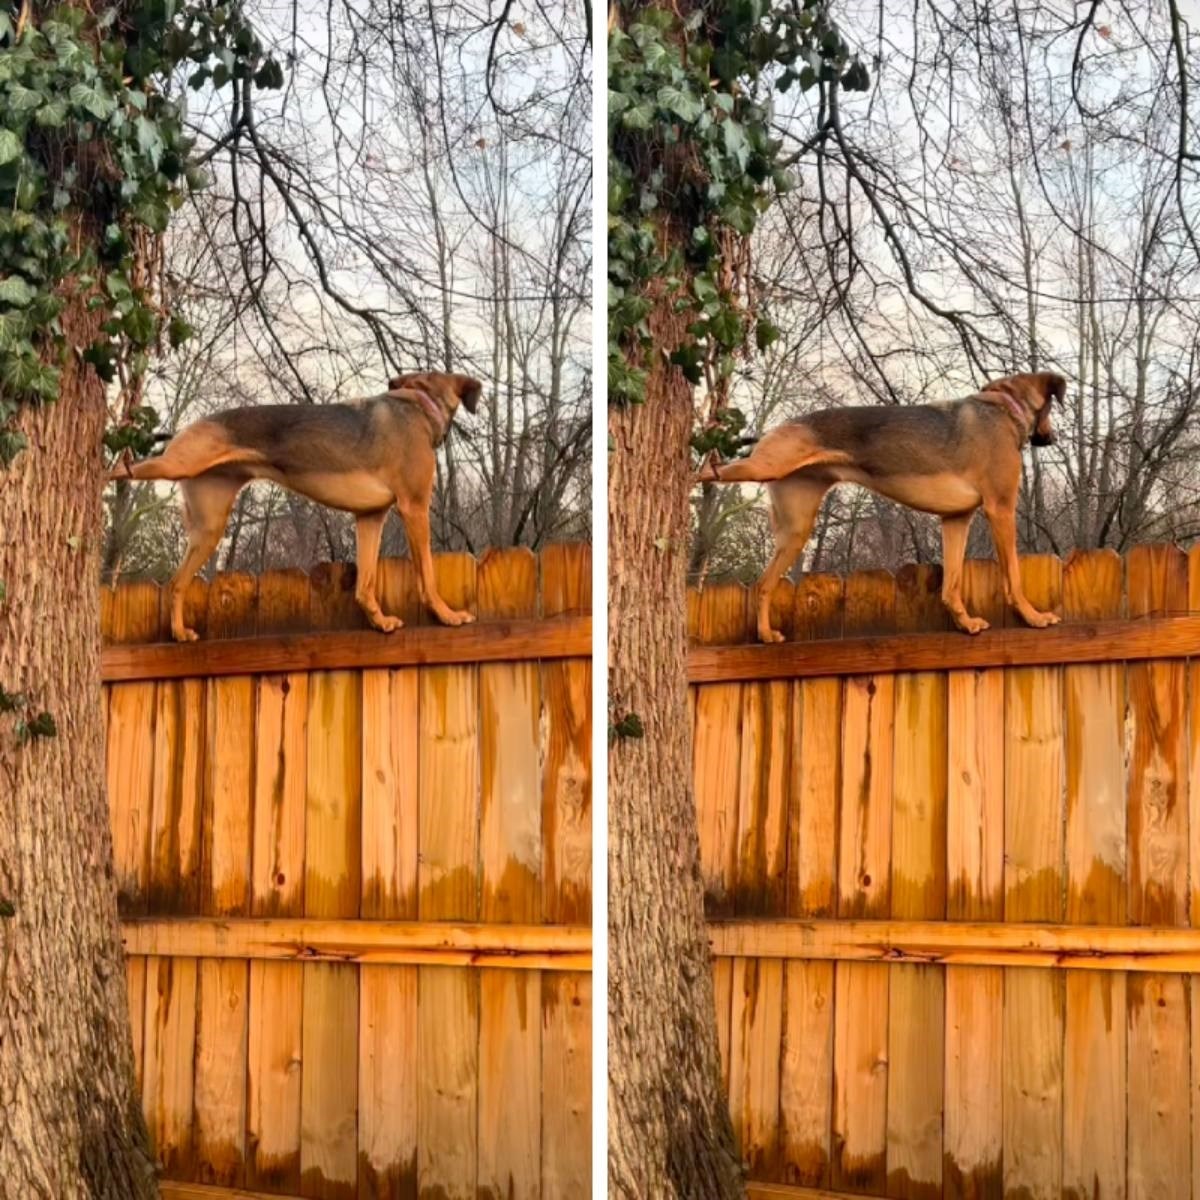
x=947, y=459
x=361, y=458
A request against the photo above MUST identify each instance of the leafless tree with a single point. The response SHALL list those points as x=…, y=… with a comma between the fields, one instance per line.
x=1018, y=191
x=417, y=196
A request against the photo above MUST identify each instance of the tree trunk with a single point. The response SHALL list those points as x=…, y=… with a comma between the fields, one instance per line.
x=669, y=1128
x=72, y=1124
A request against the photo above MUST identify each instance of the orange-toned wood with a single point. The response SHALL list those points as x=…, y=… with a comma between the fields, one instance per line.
x=816, y=760
x=313, y=939
x=387, y=1082
x=510, y=1031
x=566, y=586
x=133, y=614
x=1159, y=1098
x=806, y=1073
x=566, y=1150
x=226, y=824
x=716, y=751
x=332, y=888
x=275, y=1043
x=860, y=1055
x=448, y=998
x=916, y=1001
x=973, y=1117
x=491, y=641
x=1092, y=641
x=756, y=1035
x=1094, y=1067
x=168, y=1074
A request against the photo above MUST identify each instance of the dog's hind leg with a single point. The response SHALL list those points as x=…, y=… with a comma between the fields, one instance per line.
x=368, y=530
x=201, y=447
x=778, y=453
x=795, y=503
x=207, y=501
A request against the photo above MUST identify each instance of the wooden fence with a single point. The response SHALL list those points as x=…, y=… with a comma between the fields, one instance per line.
x=954, y=883
x=355, y=877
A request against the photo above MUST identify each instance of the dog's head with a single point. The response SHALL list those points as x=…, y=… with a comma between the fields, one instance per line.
x=1035, y=393
x=446, y=390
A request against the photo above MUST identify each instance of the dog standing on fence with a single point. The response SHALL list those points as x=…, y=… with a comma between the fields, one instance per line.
x=948, y=459
x=361, y=457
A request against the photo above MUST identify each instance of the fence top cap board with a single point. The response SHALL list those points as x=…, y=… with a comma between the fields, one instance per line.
x=1143, y=606
x=528, y=607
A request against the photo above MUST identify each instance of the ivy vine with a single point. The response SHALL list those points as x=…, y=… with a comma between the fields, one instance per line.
x=93, y=161
x=693, y=163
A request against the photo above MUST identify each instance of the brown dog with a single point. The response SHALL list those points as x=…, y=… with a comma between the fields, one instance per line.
x=949, y=459
x=361, y=457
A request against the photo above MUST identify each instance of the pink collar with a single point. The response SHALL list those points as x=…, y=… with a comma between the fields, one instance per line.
x=1019, y=414
x=431, y=410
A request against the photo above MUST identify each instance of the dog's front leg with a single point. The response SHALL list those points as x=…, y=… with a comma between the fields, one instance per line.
x=954, y=549
x=1003, y=520
x=416, y=525
x=369, y=530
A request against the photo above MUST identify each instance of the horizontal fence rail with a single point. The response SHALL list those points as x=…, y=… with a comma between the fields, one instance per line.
x=425, y=646
x=963, y=944
x=302, y=939
x=1091, y=642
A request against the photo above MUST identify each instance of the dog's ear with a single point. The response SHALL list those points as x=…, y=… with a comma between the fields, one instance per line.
x=1053, y=387
x=469, y=391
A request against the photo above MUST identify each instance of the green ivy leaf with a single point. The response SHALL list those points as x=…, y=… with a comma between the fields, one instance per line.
x=685, y=105
x=639, y=116
x=765, y=333
x=91, y=99
x=178, y=332
x=11, y=146
x=16, y=292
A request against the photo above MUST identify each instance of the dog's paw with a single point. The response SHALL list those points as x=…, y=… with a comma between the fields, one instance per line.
x=386, y=624
x=1040, y=620
x=770, y=635
x=458, y=617
x=185, y=635
x=973, y=625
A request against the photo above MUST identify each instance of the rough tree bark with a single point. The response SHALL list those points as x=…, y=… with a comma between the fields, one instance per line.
x=72, y=1125
x=669, y=1129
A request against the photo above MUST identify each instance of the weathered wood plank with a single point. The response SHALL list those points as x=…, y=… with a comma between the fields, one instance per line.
x=1085, y=642
x=1094, y=1067
x=312, y=939
x=432, y=645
